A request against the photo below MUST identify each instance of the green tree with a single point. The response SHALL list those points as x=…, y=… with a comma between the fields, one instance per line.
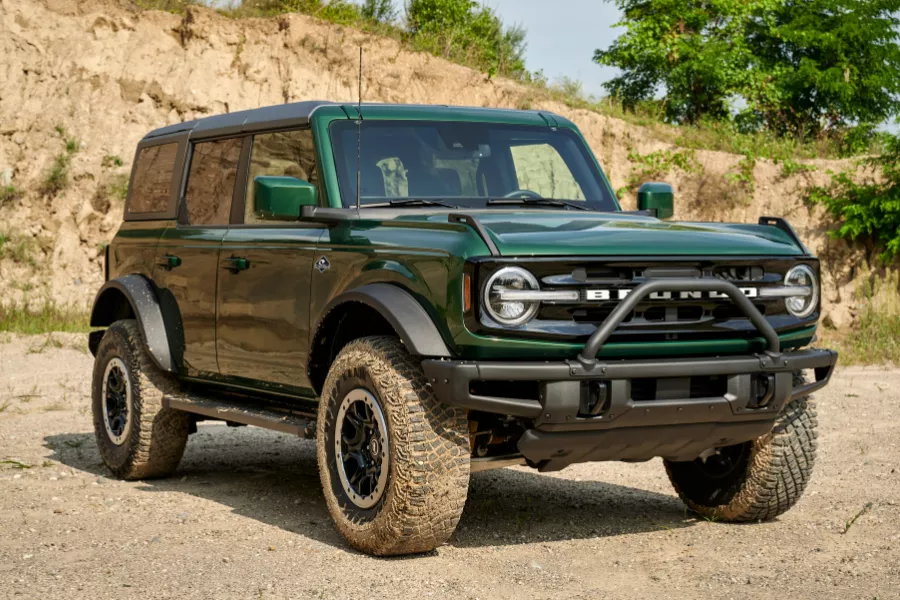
x=825, y=65
x=797, y=67
x=695, y=51
x=382, y=11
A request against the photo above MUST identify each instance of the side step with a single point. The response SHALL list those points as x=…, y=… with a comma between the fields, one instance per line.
x=238, y=412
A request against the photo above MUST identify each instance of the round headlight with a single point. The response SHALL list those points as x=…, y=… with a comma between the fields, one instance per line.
x=510, y=312
x=804, y=303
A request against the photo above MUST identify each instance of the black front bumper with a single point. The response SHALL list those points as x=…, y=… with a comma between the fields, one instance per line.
x=587, y=409
x=674, y=424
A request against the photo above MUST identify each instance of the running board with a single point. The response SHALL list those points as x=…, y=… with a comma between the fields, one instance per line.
x=245, y=414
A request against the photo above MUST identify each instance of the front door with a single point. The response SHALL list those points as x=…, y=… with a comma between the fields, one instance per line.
x=187, y=266
x=264, y=276
x=263, y=315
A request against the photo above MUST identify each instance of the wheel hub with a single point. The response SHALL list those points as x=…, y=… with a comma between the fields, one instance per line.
x=117, y=401
x=361, y=448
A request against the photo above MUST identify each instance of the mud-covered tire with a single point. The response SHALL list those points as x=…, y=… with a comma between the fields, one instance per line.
x=427, y=459
x=153, y=439
x=769, y=478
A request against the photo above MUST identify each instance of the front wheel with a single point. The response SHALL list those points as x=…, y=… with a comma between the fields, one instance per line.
x=394, y=462
x=755, y=481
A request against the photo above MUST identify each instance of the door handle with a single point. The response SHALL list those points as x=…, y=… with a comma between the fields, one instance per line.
x=235, y=264
x=169, y=262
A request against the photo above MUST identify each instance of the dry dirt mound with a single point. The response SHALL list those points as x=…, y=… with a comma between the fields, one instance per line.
x=81, y=82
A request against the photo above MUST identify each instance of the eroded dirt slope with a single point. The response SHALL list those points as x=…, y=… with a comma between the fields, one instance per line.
x=99, y=74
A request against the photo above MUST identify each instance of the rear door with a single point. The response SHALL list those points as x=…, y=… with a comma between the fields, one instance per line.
x=264, y=275
x=187, y=256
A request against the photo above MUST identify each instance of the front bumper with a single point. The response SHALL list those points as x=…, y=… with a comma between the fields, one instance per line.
x=674, y=424
x=588, y=410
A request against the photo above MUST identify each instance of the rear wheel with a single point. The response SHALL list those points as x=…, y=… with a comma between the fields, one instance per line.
x=394, y=462
x=136, y=436
x=755, y=481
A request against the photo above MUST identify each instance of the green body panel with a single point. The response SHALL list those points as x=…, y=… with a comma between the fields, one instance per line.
x=564, y=233
x=197, y=251
x=263, y=310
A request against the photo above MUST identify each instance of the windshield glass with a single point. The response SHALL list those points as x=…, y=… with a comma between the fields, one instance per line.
x=466, y=164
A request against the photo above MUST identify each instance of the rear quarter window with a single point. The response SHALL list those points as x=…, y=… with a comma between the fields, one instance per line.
x=151, y=185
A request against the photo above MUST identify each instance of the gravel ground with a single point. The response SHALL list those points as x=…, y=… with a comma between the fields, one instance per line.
x=244, y=516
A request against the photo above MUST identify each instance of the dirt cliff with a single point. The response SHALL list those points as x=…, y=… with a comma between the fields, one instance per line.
x=82, y=81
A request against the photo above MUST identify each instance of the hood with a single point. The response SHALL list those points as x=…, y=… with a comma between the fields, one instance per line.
x=557, y=233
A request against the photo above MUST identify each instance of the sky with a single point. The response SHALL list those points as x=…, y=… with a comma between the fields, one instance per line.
x=562, y=42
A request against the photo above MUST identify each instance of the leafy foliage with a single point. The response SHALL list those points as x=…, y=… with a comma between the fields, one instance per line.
x=744, y=175
x=653, y=166
x=824, y=65
x=695, y=50
x=9, y=193
x=465, y=32
x=57, y=177
x=790, y=167
x=868, y=212
x=803, y=68
x=382, y=11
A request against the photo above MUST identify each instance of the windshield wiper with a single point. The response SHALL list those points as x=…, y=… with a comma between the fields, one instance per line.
x=537, y=202
x=409, y=202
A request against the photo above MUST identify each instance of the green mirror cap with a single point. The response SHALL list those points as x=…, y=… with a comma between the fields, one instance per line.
x=282, y=197
x=659, y=197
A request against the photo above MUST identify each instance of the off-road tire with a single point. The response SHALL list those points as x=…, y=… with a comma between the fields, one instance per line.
x=773, y=476
x=428, y=457
x=156, y=438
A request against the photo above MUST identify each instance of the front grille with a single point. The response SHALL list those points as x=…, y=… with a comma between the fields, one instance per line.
x=675, y=317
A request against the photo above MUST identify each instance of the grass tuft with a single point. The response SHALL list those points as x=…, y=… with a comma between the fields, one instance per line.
x=57, y=178
x=874, y=341
x=855, y=517
x=22, y=249
x=46, y=317
x=9, y=193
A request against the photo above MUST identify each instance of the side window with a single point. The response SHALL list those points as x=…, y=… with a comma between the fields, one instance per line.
x=210, y=184
x=285, y=153
x=541, y=169
x=151, y=187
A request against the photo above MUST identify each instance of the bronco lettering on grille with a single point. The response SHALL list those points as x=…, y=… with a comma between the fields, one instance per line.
x=601, y=295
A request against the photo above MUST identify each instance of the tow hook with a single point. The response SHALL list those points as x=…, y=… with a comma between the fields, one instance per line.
x=764, y=391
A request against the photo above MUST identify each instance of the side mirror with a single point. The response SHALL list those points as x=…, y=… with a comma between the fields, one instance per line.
x=659, y=197
x=282, y=197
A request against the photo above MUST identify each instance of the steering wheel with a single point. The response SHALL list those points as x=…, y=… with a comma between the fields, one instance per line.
x=524, y=194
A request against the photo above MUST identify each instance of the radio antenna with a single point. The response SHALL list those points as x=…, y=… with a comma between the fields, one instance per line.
x=359, y=135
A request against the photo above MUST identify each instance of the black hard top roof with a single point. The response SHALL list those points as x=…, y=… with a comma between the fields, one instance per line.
x=295, y=114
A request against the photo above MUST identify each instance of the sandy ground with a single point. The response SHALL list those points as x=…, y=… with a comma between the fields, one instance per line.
x=244, y=516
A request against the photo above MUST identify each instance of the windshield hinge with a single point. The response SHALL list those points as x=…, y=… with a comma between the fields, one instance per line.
x=549, y=118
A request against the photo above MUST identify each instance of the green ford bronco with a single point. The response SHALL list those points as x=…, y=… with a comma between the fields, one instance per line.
x=432, y=291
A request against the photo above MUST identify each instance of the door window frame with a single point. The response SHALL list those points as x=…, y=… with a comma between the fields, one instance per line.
x=239, y=203
x=172, y=208
x=183, y=220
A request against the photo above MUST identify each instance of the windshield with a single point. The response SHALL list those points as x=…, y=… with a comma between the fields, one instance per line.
x=466, y=164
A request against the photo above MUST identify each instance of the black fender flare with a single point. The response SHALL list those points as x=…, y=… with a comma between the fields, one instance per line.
x=405, y=314
x=145, y=305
